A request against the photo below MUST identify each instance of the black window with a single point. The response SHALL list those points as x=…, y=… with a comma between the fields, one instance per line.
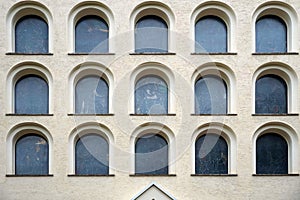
x=271, y=35
x=31, y=35
x=211, y=153
x=91, y=155
x=91, y=95
x=31, y=155
x=151, y=155
x=271, y=154
x=270, y=95
x=31, y=95
x=210, y=95
x=210, y=35
x=91, y=35
x=151, y=95
x=151, y=35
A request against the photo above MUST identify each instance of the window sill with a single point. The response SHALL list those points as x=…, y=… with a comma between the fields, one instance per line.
x=277, y=53
x=216, y=175
x=152, y=175
x=30, y=54
x=109, y=114
x=213, y=114
x=27, y=175
x=12, y=114
x=275, y=174
x=274, y=114
x=86, y=54
x=170, y=114
x=215, y=53
x=153, y=53
x=91, y=175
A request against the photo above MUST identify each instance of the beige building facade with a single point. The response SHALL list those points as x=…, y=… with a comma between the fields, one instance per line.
x=121, y=67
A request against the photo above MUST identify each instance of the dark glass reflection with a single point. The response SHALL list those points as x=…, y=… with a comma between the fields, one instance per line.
x=151, y=155
x=91, y=155
x=271, y=35
x=271, y=154
x=91, y=95
x=151, y=35
x=210, y=35
x=31, y=155
x=91, y=35
x=210, y=95
x=151, y=96
x=31, y=95
x=211, y=153
x=270, y=95
x=31, y=35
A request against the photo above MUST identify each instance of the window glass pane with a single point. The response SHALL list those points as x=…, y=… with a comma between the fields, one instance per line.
x=91, y=95
x=271, y=35
x=32, y=155
x=31, y=35
x=151, y=96
x=271, y=154
x=151, y=155
x=210, y=95
x=211, y=155
x=270, y=95
x=211, y=35
x=31, y=95
x=91, y=155
x=91, y=35
x=151, y=35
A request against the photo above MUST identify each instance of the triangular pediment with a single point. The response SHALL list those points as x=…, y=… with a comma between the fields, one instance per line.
x=153, y=192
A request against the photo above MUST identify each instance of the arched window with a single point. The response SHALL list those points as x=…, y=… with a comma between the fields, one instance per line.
x=91, y=95
x=151, y=35
x=31, y=155
x=91, y=35
x=31, y=35
x=270, y=95
x=151, y=95
x=211, y=153
x=31, y=95
x=210, y=95
x=271, y=34
x=91, y=155
x=271, y=154
x=210, y=35
x=151, y=155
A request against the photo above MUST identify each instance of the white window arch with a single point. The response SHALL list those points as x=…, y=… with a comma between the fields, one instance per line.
x=220, y=10
x=284, y=11
x=23, y=9
x=285, y=131
x=23, y=129
x=20, y=70
x=86, y=9
x=87, y=69
x=229, y=136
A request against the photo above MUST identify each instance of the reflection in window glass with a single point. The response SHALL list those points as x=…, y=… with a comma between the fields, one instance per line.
x=151, y=96
x=31, y=95
x=211, y=155
x=210, y=35
x=31, y=35
x=91, y=96
x=151, y=155
x=91, y=35
x=270, y=95
x=210, y=95
x=271, y=154
x=31, y=155
x=91, y=155
x=151, y=35
x=271, y=35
